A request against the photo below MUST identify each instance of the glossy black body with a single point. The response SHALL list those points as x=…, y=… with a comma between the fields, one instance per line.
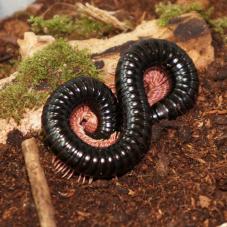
x=130, y=113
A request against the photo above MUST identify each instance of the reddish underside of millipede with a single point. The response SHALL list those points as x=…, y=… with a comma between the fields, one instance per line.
x=82, y=120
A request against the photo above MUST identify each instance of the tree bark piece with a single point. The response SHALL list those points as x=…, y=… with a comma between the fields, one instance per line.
x=39, y=186
x=102, y=15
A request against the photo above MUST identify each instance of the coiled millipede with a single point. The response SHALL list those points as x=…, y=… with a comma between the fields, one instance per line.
x=128, y=117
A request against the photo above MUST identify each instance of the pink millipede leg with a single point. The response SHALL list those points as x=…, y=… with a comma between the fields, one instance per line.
x=78, y=180
x=62, y=168
x=59, y=165
x=66, y=173
x=84, y=179
x=90, y=180
x=70, y=174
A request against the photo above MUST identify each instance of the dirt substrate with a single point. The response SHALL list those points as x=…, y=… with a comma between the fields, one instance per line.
x=182, y=181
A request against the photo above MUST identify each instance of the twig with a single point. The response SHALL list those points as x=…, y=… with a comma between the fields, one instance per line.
x=102, y=15
x=40, y=190
x=60, y=8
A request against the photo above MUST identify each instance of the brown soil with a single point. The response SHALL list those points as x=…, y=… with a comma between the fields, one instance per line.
x=182, y=181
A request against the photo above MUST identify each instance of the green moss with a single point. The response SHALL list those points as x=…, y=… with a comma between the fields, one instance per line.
x=41, y=74
x=168, y=11
x=86, y=27
x=219, y=25
x=60, y=26
x=16, y=98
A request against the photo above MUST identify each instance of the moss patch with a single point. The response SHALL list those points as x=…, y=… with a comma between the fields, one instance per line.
x=41, y=74
x=85, y=27
x=220, y=25
x=63, y=25
x=58, y=25
x=167, y=11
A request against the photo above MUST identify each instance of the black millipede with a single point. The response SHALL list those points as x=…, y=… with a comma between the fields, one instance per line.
x=129, y=112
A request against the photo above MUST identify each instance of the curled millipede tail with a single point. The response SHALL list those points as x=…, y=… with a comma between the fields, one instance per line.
x=130, y=115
